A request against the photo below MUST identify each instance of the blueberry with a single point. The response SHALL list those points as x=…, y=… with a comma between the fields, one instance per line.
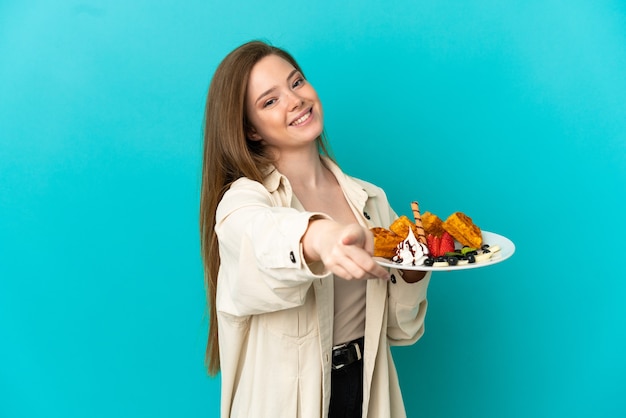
x=471, y=258
x=453, y=261
x=429, y=261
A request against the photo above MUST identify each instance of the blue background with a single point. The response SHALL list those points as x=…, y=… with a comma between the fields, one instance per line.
x=513, y=112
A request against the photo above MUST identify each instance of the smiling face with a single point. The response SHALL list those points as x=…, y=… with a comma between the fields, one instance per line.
x=282, y=107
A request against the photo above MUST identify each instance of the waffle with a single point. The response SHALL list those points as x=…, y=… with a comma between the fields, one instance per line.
x=385, y=242
x=433, y=225
x=461, y=227
x=401, y=227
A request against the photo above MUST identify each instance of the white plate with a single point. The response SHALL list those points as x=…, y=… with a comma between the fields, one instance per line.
x=507, y=248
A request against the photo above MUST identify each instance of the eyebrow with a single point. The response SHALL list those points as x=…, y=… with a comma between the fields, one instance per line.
x=268, y=91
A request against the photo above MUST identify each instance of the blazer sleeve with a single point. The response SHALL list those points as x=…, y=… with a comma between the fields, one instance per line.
x=262, y=265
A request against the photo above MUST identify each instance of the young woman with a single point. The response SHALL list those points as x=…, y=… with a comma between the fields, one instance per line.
x=305, y=316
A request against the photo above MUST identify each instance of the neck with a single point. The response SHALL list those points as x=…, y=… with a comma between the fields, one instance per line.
x=304, y=171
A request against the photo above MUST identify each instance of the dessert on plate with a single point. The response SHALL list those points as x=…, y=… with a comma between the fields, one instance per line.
x=429, y=241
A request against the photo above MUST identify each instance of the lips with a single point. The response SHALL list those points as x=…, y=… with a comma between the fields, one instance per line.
x=303, y=117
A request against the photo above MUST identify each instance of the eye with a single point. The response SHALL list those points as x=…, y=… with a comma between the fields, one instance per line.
x=298, y=82
x=269, y=102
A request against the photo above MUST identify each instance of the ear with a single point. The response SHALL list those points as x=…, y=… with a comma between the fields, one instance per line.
x=253, y=135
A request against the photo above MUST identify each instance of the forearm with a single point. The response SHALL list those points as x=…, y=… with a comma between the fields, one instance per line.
x=312, y=240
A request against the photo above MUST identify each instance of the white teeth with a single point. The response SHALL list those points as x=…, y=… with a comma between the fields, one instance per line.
x=302, y=119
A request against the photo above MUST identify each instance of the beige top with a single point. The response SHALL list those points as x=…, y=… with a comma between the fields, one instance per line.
x=349, y=304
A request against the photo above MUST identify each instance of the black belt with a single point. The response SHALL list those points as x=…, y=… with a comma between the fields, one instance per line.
x=347, y=353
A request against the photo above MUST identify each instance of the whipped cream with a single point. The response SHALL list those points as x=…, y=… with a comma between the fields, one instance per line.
x=411, y=251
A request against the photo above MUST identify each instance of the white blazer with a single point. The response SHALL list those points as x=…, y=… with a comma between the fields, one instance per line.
x=275, y=311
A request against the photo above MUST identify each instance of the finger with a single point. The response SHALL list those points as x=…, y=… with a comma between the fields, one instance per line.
x=359, y=257
x=379, y=272
x=344, y=266
x=340, y=272
x=348, y=270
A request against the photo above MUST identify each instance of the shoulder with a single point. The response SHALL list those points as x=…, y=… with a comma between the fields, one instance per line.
x=371, y=189
x=241, y=193
x=246, y=188
x=375, y=193
x=274, y=190
x=244, y=183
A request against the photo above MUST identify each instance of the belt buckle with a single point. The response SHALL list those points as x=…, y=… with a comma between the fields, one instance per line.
x=359, y=355
x=338, y=347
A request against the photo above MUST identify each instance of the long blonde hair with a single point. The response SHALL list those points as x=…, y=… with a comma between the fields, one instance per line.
x=229, y=155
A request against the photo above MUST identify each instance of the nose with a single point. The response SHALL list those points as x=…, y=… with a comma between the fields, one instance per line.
x=295, y=101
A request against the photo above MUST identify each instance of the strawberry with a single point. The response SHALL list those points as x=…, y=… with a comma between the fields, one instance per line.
x=447, y=244
x=433, y=242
